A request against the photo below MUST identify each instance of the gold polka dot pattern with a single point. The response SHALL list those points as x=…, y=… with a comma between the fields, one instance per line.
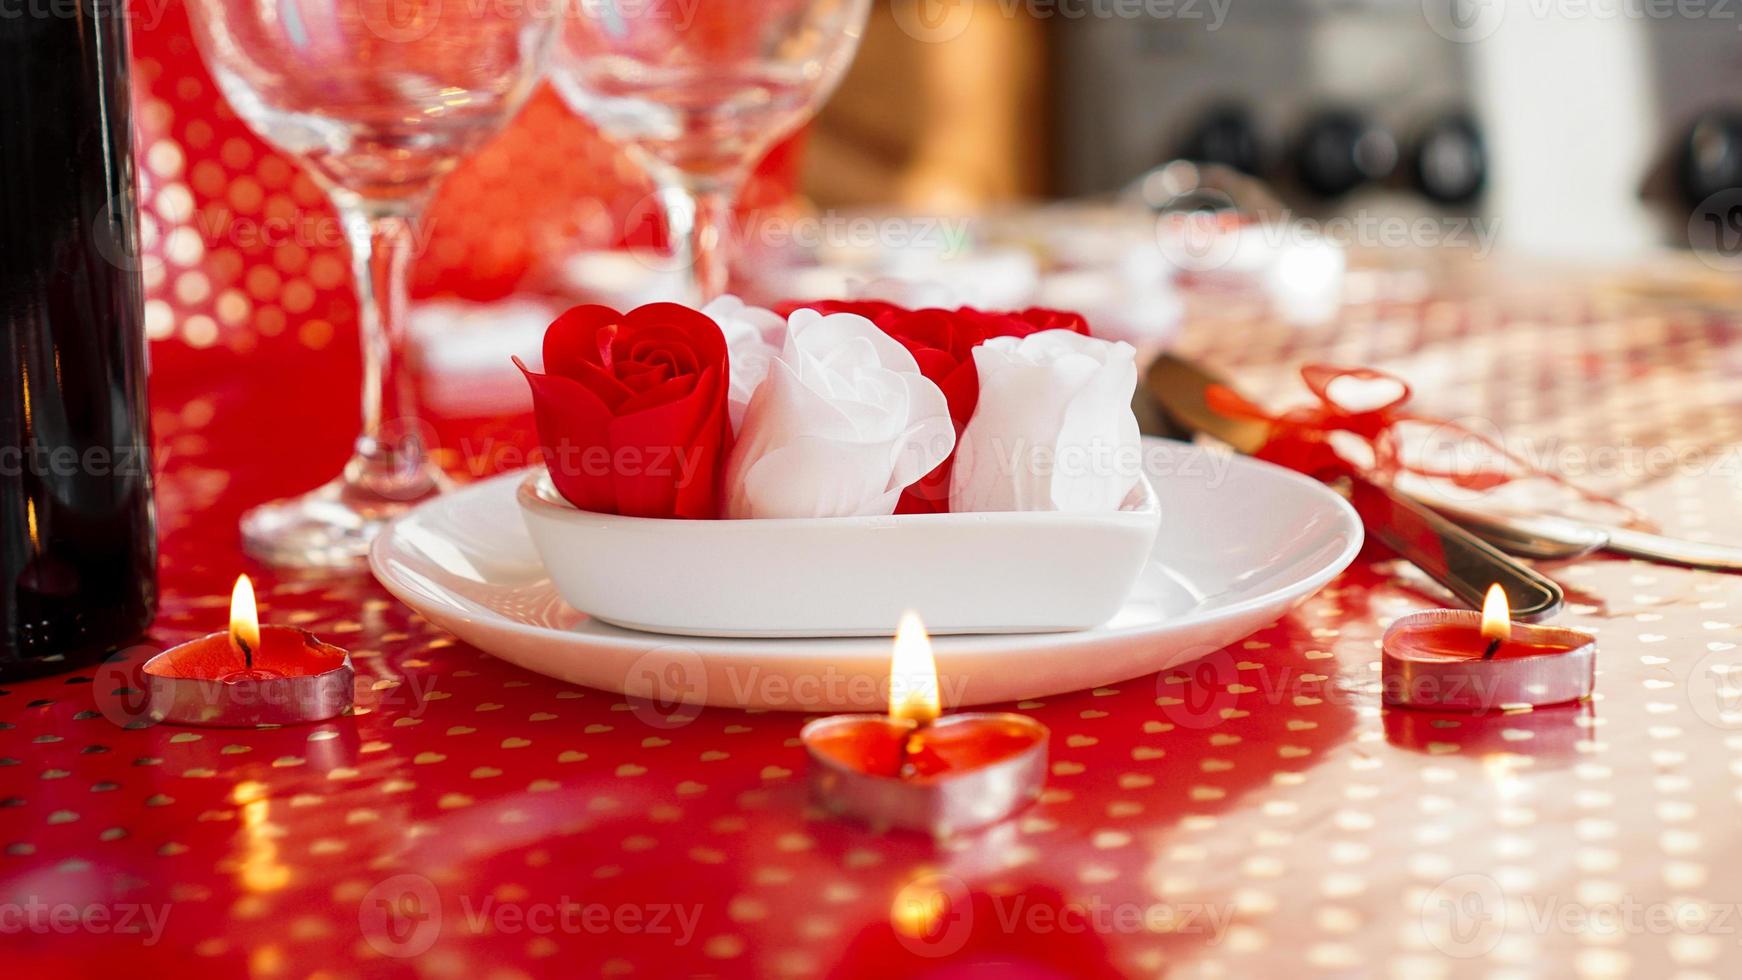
x=1249, y=813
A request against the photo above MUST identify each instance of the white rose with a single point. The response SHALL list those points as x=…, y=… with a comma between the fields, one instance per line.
x=842, y=424
x=753, y=338
x=1053, y=429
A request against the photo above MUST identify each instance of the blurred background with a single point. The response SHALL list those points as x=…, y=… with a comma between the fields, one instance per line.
x=1141, y=160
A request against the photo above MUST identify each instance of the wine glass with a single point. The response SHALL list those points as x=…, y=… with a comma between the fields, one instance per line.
x=696, y=92
x=379, y=99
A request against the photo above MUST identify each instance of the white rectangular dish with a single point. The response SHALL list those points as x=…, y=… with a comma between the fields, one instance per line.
x=1021, y=572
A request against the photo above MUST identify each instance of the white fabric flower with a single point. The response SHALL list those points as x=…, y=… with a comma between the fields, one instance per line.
x=1053, y=429
x=753, y=338
x=842, y=424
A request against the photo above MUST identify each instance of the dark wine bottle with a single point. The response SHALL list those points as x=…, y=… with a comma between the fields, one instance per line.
x=78, y=536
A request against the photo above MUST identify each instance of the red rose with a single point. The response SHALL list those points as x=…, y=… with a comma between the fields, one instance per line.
x=877, y=311
x=631, y=410
x=942, y=341
x=1021, y=324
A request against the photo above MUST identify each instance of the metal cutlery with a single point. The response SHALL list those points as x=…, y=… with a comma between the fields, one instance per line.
x=1538, y=536
x=1463, y=563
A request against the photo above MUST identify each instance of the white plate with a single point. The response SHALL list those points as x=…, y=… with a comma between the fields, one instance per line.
x=1007, y=572
x=1241, y=543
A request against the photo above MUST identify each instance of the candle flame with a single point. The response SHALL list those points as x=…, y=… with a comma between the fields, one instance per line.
x=1496, y=615
x=913, y=674
x=244, y=620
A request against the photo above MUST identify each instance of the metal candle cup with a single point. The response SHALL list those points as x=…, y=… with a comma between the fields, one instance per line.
x=1434, y=660
x=249, y=676
x=856, y=769
x=911, y=769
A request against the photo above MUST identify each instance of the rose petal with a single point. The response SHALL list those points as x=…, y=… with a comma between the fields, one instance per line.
x=572, y=339
x=663, y=456
x=842, y=424
x=573, y=423
x=1053, y=429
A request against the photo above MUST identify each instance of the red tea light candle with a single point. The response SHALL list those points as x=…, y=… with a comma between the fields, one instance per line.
x=913, y=770
x=250, y=675
x=1462, y=660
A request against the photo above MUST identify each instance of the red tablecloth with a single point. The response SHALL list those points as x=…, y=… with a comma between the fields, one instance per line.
x=1250, y=814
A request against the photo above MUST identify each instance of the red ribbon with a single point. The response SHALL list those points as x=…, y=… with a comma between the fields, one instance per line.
x=1300, y=438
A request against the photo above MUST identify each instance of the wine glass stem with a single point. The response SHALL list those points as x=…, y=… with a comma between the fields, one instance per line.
x=388, y=460
x=698, y=218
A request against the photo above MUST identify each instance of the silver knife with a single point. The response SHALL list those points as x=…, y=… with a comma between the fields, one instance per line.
x=1674, y=551
x=1538, y=536
x=1463, y=563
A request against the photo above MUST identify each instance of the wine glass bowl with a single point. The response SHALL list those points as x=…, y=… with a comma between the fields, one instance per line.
x=376, y=97
x=379, y=99
x=696, y=93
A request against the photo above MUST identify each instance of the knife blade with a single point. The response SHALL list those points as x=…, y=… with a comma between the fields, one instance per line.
x=1463, y=563
x=1548, y=537
x=1540, y=536
x=1450, y=555
x=1674, y=551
